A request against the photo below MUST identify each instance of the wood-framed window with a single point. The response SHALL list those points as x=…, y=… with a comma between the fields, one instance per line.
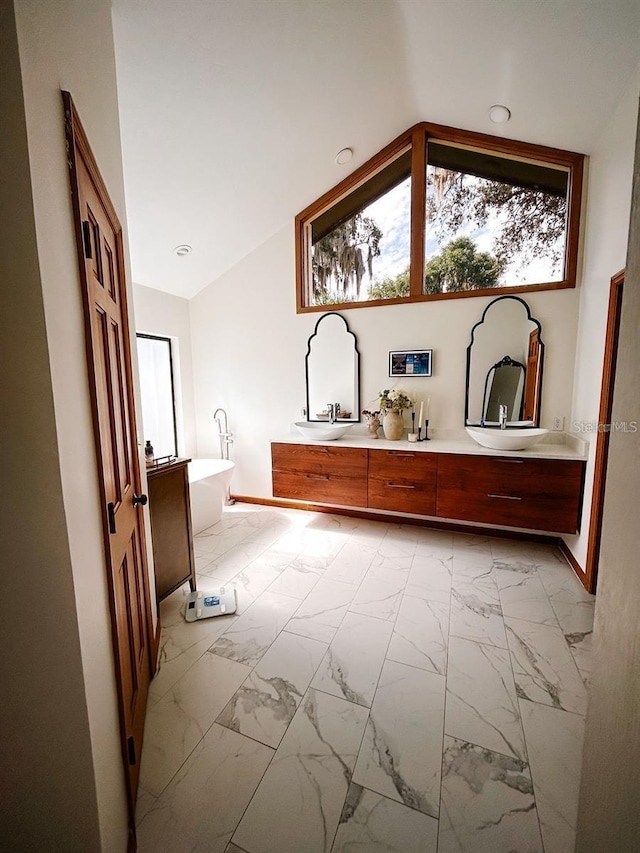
x=442, y=213
x=157, y=392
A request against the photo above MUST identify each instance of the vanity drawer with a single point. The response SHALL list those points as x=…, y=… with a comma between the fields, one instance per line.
x=539, y=494
x=316, y=459
x=320, y=488
x=402, y=481
x=320, y=473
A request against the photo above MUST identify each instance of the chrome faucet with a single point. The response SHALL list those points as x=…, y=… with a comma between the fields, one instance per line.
x=502, y=416
x=334, y=411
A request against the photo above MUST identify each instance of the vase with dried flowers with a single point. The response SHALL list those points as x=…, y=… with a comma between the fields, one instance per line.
x=393, y=402
x=373, y=422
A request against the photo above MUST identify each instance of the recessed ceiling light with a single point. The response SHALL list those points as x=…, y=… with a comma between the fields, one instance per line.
x=183, y=250
x=343, y=156
x=499, y=114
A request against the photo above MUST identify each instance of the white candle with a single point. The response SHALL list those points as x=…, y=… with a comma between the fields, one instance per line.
x=428, y=401
x=420, y=418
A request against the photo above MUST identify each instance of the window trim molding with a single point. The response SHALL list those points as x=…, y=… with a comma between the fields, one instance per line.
x=418, y=137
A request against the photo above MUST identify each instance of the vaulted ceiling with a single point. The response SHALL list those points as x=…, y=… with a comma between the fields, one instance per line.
x=232, y=111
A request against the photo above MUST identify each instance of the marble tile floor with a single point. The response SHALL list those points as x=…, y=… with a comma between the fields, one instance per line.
x=382, y=687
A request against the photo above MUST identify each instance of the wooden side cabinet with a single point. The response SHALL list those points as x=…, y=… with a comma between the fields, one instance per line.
x=170, y=509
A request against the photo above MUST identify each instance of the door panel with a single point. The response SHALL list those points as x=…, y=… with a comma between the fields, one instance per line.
x=119, y=415
x=104, y=394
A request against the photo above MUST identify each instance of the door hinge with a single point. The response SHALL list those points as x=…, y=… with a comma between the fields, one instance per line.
x=111, y=513
x=86, y=237
x=131, y=747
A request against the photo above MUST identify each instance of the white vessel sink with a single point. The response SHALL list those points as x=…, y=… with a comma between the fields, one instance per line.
x=506, y=439
x=322, y=432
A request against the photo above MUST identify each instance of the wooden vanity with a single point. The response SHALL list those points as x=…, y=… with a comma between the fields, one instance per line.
x=508, y=490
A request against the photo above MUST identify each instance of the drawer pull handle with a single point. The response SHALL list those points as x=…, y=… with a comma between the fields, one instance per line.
x=505, y=497
x=316, y=477
x=401, y=454
x=400, y=486
x=510, y=461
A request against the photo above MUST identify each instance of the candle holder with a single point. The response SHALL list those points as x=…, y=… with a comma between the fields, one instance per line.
x=426, y=432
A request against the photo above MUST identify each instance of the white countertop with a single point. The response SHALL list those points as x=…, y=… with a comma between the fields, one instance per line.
x=555, y=445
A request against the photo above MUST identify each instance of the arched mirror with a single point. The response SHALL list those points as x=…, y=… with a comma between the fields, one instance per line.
x=504, y=365
x=333, y=371
x=504, y=386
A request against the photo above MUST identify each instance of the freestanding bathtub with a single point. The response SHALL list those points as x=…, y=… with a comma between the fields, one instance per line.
x=209, y=482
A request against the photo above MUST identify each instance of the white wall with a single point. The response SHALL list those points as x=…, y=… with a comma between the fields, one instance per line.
x=70, y=46
x=245, y=339
x=46, y=768
x=606, y=233
x=159, y=313
x=609, y=813
x=249, y=347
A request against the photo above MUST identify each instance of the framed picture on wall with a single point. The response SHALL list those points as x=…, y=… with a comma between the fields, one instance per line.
x=416, y=362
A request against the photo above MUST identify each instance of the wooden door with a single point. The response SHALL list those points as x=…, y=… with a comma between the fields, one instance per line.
x=100, y=257
x=614, y=315
x=531, y=408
